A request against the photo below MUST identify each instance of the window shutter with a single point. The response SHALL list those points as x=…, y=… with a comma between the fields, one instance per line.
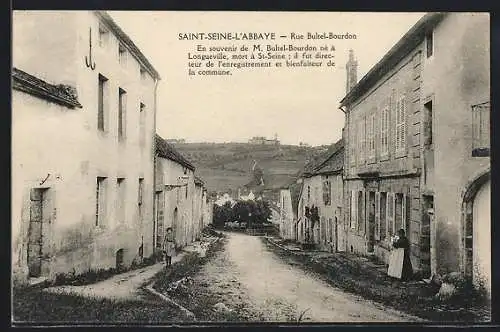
x=361, y=223
x=403, y=122
x=390, y=213
x=377, y=215
x=349, y=207
x=393, y=121
x=404, y=224
x=355, y=209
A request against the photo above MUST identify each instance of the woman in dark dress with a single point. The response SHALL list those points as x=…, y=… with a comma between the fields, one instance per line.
x=402, y=242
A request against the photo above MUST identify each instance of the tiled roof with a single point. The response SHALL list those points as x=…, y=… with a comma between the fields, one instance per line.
x=125, y=39
x=406, y=44
x=166, y=150
x=58, y=93
x=330, y=161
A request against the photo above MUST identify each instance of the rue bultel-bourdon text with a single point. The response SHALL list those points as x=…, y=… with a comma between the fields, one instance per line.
x=249, y=50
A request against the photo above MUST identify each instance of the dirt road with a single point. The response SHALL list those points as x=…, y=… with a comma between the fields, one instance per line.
x=251, y=280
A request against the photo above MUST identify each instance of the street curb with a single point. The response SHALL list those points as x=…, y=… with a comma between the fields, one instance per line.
x=165, y=298
x=187, y=312
x=293, y=252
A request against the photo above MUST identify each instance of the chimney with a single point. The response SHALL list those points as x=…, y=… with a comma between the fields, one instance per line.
x=351, y=72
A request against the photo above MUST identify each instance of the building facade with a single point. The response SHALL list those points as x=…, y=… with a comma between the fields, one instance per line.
x=321, y=201
x=287, y=218
x=78, y=203
x=417, y=141
x=174, y=195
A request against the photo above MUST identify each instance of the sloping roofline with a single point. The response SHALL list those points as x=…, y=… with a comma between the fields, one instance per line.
x=58, y=93
x=405, y=45
x=125, y=39
x=166, y=150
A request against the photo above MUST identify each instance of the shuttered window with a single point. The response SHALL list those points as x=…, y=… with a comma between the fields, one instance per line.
x=377, y=216
x=390, y=213
x=384, y=131
x=383, y=215
x=354, y=210
x=371, y=135
x=401, y=124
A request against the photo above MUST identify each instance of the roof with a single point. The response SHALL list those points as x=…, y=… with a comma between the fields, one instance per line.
x=128, y=43
x=166, y=150
x=58, y=93
x=331, y=161
x=406, y=44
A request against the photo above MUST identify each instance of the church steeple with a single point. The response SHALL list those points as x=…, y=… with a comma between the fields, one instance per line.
x=351, y=72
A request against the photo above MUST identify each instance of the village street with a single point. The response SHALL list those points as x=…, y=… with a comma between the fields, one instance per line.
x=248, y=278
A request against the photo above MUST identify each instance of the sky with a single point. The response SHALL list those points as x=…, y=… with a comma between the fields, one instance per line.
x=299, y=104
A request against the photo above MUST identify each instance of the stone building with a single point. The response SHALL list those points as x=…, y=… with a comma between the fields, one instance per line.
x=321, y=201
x=174, y=194
x=83, y=119
x=417, y=147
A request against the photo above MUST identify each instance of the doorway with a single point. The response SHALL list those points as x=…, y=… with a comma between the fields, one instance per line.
x=371, y=222
x=481, y=257
x=39, y=219
x=158, y=220
x=425, y=236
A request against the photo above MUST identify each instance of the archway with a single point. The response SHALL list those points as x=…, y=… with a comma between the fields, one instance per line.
x=477, y=232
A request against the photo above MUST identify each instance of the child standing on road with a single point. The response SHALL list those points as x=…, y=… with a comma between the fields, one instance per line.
x=169, y=246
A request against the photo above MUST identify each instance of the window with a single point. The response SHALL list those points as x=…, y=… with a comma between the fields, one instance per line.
x=429, y=42
x=361, y=211
x=121, y=112
x=120, y=200
x=103, y=36
x=142, y=124
x=100, y=210
x=481, y=130
x=327, y=190
x=401, y=124
x=390, y=214
x=384, y=131
x=143, y=73
x=101, y=102
x=383, y=215
x=308, y=193
x=352, y=143
x=140, y=193
x=354, y=212
x=400, y=212
x=361, y=139
x=428, y=124
x=371, y=136
x=122, y=55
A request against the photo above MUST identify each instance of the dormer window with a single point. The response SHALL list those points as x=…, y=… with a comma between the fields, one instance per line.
x=429, y=43
x=103, y=35
x=122, y=55
x=143, y=73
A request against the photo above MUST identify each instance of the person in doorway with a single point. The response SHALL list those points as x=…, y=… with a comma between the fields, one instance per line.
x=402, y=242
x=169, y=246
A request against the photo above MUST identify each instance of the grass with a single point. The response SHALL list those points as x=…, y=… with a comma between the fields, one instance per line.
x=35, y=306
x=196, y=297
x=413, y=298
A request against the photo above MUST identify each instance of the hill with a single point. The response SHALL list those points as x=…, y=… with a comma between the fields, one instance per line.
x=264, y=169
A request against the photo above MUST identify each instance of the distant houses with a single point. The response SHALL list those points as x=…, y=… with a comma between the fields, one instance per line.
x=261, y=140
